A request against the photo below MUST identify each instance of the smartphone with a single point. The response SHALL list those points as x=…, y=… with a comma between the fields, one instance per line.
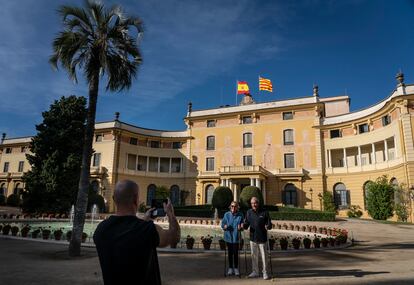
x=158, y=204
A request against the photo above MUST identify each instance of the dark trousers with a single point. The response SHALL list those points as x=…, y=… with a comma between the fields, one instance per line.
x=233, y=250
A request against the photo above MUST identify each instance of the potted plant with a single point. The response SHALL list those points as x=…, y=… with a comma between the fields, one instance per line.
x=331, y=241
x=296, y=243
x=58, y=234
x=35, y=233
x=206, y=241
x=25, y=231
x=189, y=242
x=1, y=227
x=84, y=236
x=316, y=242
x=307, y=242
x=272, y=242
x=46, y=233
x=284, y=242
x=14, y=230
x=6, y=229
x=222, y=244
x=68, y=235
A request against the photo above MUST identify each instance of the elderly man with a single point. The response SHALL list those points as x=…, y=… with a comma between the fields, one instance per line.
x=126, y=245
x=259, y=222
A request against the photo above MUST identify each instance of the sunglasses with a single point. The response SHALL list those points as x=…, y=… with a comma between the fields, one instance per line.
x=233, y=206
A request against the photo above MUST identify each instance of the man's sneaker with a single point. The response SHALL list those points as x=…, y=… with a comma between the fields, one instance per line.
x=253, y=275
x=265, y=276
x=230, y=272
x=236, y=272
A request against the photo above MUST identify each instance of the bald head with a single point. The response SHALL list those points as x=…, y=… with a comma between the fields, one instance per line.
x=126, y=193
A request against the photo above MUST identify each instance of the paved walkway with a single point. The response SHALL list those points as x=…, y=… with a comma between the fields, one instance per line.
x=383, y=254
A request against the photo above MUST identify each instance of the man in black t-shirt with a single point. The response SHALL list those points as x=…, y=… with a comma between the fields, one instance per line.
x=127, y=245
x=259, y=222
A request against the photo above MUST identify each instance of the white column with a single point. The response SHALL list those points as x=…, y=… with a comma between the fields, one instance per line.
x=386, y=150
x=170, y=166
x=359, y=156
x=226, y=182
x=258, y=183
x=235, y=192
x=222, y=182
x=230, y=184
x=147, y=169
x=159, y=162
x=374, y=155
x=264, y=191
x=329, y=158
x=345, y=159
x=251, y=181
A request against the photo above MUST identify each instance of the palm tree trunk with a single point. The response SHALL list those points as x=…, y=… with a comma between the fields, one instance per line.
x=82, y=199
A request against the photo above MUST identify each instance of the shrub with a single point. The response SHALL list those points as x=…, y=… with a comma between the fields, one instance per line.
x=247, y=193
x=296, y=243
x=307, y=242
x=222, y=198
x=13, y=200
x=317, y=242
x=6, y=229
x=14, y=230
x=401, y=211
x=354, y=212
x=189, y=242
x=58, y=234
x=380, y=202
x=25, y=231
x=142, y=208
x=162, y=192
x=35, y=233
x=283, y=243
x=2, y=200
x=328, y=202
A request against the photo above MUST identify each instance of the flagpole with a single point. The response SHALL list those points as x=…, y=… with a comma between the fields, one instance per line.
x=258, y=91
x=237, y=81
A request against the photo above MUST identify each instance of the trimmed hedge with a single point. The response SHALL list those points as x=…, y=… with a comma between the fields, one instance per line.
x=303, y=216
x=2, y=200
x=199, y=213
x=222, y=197
x=247, y=193
x=13, y=200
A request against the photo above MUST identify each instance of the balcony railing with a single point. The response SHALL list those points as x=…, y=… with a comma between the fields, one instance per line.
x=241, y=169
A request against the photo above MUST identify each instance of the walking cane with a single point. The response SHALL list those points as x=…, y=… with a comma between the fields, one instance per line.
x=245, y=254
x=238, y=251
x=225, y=259
x=270, y=256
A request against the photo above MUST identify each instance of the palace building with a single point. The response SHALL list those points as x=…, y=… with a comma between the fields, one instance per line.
x=293, y=150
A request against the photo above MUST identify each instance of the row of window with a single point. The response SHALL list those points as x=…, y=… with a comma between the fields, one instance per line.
x=249, y=119
x=363, y=128
x=9, y=150
x=152, y=144
x=154, y=164
x=18, y=189
x=6, y=166
x=248, y=140
x=289, y=161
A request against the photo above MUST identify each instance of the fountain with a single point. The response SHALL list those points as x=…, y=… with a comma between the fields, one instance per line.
x=72, y=214
x=94, y=213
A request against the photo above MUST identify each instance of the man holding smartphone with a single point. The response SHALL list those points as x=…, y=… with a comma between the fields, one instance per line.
x=127, y=245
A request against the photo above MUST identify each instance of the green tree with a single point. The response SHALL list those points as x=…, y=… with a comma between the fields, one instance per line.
x=98, y=41
x=328, y=202
x=162, y=192
x=247, y=193
x=52, y=181
x=380, y=199
x=222, y=198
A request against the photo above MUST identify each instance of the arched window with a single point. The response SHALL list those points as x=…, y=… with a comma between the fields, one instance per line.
x=95, y=186
x=151, y=193
x=18, y=189
x=3, y=189
x=209, y=193
x=290, y=195
x=211, y=143
x=288, y=137
x=247, y=140
x=341, y=196
x=175, y=195
x=365, y=192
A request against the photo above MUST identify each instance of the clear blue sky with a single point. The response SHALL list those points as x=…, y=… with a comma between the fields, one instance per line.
x=196, y=50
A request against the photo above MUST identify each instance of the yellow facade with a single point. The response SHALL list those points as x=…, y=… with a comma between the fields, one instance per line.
x=293, y=150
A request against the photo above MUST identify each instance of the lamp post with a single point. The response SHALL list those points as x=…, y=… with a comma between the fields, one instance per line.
x=311, y=193
x=320, y=200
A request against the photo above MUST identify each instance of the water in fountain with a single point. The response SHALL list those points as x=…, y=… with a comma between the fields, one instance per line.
x=94, y=213
x=72, y=214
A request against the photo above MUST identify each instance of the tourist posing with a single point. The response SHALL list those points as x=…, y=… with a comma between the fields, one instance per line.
x=126, y=245
x=259, y=222
x=232, y=224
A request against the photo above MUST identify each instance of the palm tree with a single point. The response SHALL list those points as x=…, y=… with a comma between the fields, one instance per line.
x=98, y=41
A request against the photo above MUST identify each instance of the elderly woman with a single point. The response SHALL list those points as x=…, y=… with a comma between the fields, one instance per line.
x=232, y=224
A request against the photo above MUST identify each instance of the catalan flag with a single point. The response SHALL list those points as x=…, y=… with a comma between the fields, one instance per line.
x=242, y=87
x=265, y=84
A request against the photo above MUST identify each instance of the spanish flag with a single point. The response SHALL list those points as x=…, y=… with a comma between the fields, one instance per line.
x=242, y=87
x=265, y=84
